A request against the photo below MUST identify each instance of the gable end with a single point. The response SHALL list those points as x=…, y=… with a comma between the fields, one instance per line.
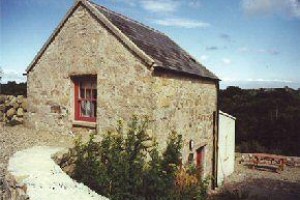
x=107, y=24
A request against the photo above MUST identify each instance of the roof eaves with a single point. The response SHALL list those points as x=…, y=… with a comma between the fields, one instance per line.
x=196, y=61
x=184, y=73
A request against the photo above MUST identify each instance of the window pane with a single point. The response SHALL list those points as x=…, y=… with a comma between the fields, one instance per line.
x=92, y=114
x=88, y=93
x=95, y=109
x=83, y=109
x=85, y=84
x=88, y=108
x=94, y=94
x=94, y=85
x=81, y=95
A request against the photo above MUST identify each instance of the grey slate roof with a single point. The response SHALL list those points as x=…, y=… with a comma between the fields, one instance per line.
x=165, y=52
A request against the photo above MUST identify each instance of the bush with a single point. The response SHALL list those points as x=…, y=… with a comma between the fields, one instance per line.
x=189, y=184
x=128, y=165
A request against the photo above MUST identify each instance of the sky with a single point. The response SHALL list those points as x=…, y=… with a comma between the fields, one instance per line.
x=246, y=43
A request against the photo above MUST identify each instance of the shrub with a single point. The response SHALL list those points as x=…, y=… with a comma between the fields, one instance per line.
x=128, y=165
x=89, y=169
x=190, y=184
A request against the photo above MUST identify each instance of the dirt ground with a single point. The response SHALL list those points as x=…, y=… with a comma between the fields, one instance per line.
x=244, y=183
x=247, y=183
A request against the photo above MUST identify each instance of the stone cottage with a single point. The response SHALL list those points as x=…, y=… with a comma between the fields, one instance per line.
x=99, y=66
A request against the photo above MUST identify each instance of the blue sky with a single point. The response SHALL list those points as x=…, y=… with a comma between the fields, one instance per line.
x=249, y=43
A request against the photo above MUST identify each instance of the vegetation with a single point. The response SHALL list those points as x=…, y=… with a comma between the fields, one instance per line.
x=13, y=88
x=267, y=119
x=1, y=74
x=128, y=165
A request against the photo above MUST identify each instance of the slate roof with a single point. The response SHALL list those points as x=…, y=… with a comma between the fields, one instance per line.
x=165, y=52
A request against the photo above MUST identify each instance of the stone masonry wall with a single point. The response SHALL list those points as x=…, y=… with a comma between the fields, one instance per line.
x=125, y=86
x=186, y=106
x=84, y=47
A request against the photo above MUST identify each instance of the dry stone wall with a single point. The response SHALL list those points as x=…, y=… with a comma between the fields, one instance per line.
x=14, y=189
x=12, y=109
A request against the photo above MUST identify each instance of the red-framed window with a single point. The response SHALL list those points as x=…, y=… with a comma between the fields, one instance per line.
x=85, y=98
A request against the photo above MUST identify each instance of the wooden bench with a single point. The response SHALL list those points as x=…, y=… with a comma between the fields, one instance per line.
x=268, y=161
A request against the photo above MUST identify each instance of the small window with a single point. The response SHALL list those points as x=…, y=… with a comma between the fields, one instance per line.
x=85, y=98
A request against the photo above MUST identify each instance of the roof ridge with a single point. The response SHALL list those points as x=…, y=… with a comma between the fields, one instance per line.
x=127, y=18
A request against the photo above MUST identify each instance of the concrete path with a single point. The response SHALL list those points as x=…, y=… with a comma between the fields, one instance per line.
x=44, y=178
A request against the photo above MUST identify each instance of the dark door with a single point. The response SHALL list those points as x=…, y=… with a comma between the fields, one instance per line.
x=200, y=157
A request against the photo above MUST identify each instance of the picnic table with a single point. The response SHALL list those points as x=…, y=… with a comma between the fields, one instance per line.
x=270, y=161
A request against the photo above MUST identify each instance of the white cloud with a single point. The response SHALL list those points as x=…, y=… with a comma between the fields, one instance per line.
x=261, y=51
x=182, y=22
x=128, y=2
x=11, y=75
x=289, y=8
x=270, y=51
x=194, y=3
x=42, y=3
x=211, y=48
x=255, y=80
x=226, y=61
x=295, y=8
x=268, y=80
x=243, y=49
x=258, y=83
x=203, y=57
x=160, y=5
x=273, y=51
x=225, y=37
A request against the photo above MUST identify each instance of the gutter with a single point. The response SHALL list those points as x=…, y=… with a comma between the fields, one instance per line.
x=215, y=142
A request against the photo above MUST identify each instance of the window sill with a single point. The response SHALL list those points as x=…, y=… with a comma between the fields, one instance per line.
x=84, y=124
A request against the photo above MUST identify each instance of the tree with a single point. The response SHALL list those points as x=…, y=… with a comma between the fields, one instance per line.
x=267, y=119
x=1, y=75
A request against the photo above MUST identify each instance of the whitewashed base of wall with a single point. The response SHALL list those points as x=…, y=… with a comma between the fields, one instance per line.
x=33, y=173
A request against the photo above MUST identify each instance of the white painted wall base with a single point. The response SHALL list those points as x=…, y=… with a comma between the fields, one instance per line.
x=226, y=143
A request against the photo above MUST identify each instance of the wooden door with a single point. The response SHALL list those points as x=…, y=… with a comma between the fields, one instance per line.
x=200, y=157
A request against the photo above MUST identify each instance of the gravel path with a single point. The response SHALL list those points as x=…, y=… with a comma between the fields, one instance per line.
x=45, y=180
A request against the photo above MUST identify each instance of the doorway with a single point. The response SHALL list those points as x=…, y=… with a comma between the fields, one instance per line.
x=200, y=158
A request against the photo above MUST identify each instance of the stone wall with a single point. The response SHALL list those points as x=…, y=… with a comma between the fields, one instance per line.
x=186, y=106
x=13, y=188
x=12, y=109
x=125, y=86
x=83, y=46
